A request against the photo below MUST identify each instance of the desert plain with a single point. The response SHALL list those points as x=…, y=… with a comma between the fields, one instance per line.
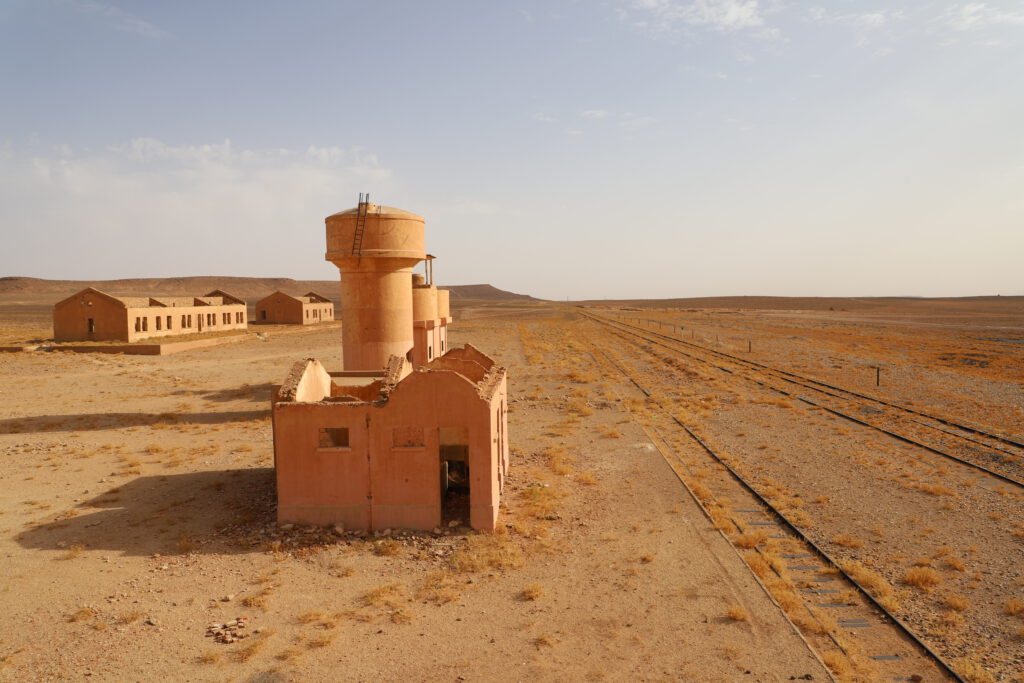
x=137, y=527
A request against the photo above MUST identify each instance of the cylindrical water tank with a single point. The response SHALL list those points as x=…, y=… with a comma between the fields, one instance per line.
x=424, y=302
x=375, y=249
x=443, y=307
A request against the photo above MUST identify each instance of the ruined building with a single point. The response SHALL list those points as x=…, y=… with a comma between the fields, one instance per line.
x=281, y=308
x=92, y=315
x=411, y=433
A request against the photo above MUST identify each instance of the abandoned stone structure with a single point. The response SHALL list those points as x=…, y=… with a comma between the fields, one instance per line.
x=411, y=433
x=281, y=308
x=92, y=315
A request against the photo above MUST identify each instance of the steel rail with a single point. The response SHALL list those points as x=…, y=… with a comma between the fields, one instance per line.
x=631, y=329
x=824, y=556
x=1012, y=441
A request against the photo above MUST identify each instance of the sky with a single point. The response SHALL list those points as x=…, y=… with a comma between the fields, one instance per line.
x=561, y=148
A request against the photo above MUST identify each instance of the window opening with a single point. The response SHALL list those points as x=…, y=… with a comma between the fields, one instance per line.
x=333, y=437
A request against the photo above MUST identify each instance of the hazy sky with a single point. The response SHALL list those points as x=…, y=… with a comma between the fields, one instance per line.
x=588, y=149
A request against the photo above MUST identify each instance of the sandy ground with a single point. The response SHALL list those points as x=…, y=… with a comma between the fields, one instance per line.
x=136, y=509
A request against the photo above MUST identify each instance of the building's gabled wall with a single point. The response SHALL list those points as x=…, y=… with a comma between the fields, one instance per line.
x=284, y=309
x=433, y=400
x=279, y=308
x=71, y=318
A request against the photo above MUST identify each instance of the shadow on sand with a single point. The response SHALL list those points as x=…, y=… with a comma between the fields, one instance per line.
x=200, y=512
x=251, y=392
x=99, y=421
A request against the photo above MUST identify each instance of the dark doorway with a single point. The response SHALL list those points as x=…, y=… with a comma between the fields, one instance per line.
x=454, y=457
x=92, y=326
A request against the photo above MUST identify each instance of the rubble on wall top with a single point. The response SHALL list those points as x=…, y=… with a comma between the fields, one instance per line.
x=290, y=386
x=491, y=381
x=393, y=374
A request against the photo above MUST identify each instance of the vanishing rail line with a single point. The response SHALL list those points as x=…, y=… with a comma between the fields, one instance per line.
x=810, y=384
x=807, y=382
x=894, y=626
x=803, y=380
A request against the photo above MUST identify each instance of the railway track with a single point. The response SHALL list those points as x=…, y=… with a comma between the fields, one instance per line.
x=1002, y=457
x=856, y=636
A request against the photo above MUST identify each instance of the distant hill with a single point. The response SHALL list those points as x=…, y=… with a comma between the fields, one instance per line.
x=485, y=292
x=31, y=290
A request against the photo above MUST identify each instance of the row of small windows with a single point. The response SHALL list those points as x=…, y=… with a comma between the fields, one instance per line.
x=165, y=322
x=317, y=313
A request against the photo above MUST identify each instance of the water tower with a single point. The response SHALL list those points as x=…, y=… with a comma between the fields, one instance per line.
x=375, y=248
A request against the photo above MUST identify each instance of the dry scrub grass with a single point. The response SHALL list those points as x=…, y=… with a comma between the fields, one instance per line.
x=971, y=671
x=384, y=595
x=82, y=614
x=494, y=550
x=848, y=541
x=440, y=588
x=737, y=613
x=532, y=592
x=560, y=461
x=541, y=500
x=751, y=539
x=924, y=578
x=873, y=582
x=252, y=647
x=957, y=602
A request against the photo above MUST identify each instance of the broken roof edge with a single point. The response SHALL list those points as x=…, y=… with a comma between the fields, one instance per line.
x=225, y=296
x=290, y=387
x=398, y=369
x=496, y=374
x=470, y=352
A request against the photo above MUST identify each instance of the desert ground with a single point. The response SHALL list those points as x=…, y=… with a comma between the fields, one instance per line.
x=137, y=506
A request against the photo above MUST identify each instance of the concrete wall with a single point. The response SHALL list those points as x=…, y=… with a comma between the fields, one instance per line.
x=71, y=319
x=281, y=309
x=143, y=323
x=317, y=313
x=425, y=347
x=374, y=483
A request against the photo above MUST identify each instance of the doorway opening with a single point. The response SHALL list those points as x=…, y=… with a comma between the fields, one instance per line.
x=454, y=457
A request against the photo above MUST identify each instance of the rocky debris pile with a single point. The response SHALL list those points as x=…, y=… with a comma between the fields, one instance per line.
x=229, y=631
